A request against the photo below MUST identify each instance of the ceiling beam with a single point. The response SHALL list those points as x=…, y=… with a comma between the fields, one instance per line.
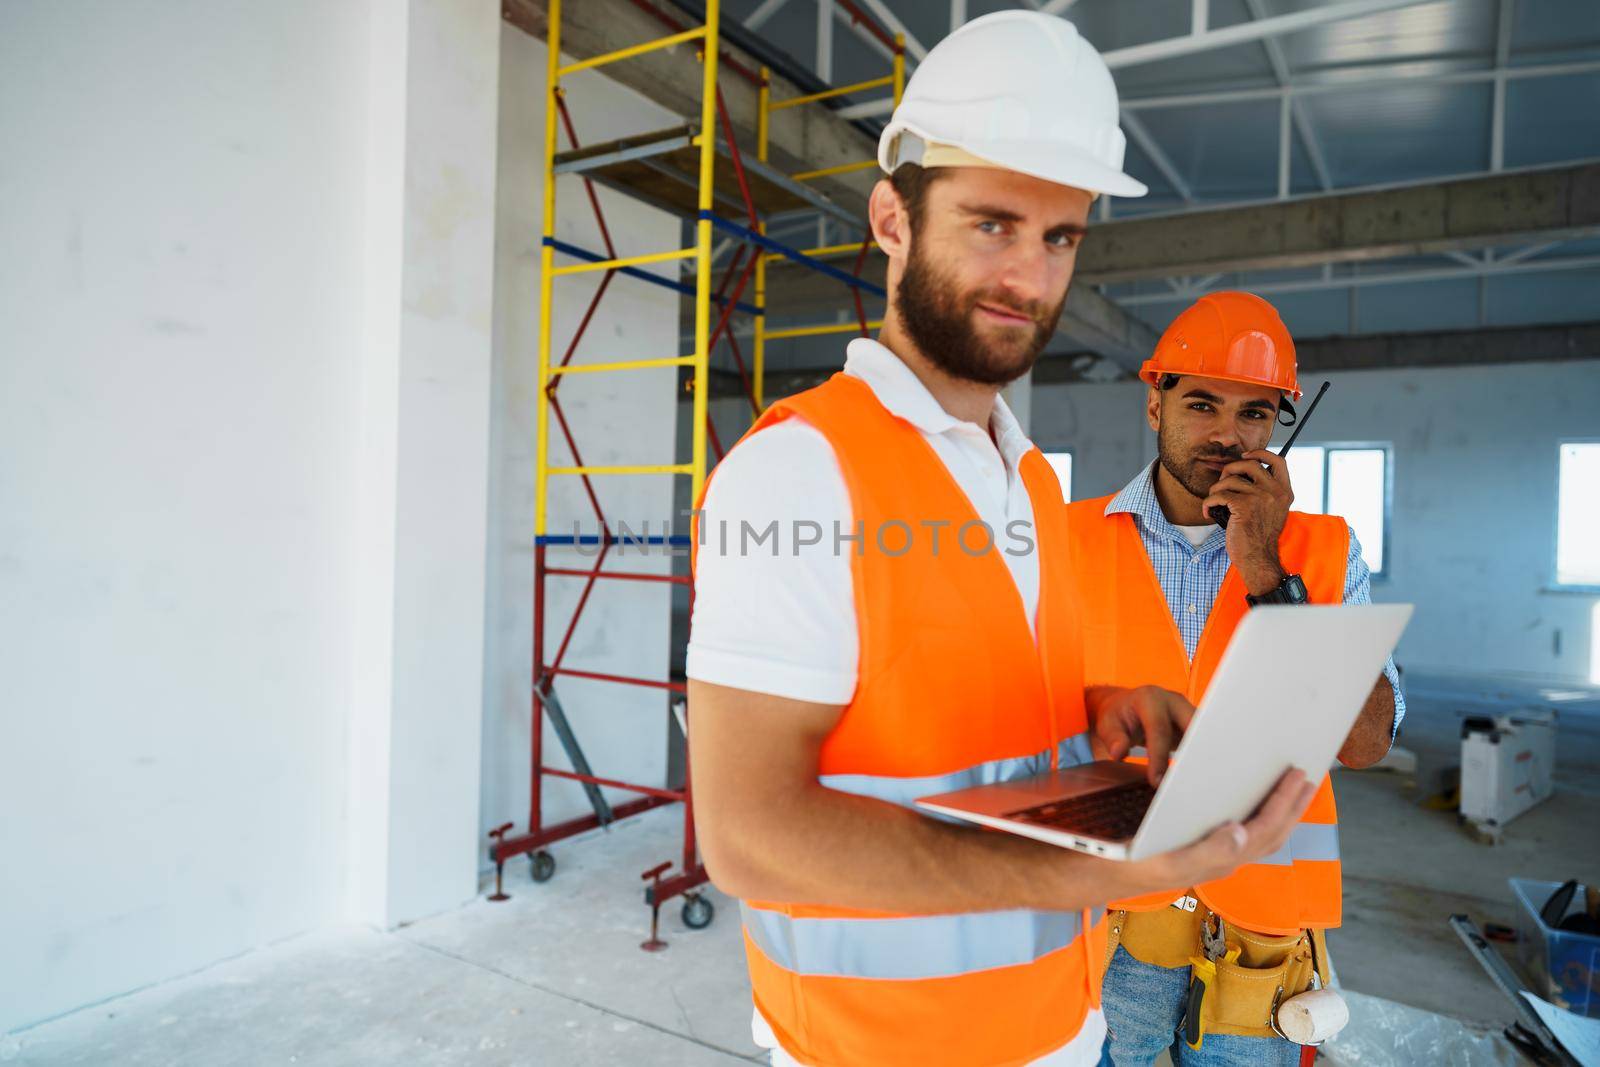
x=1091, y=322
x=1260, y=29
x=1277, y=26
x=1387, y=351
x=1479, y=269
x=1529, y=206
x=1302, y=124
x=864, y=35
x=760, y=15
x=824, y=63
x=1502, y=59
x=1367, y=84
x=1140, y=136
x=809, y=138
x=1526, y=253
x=913, y=46
x=1452, y=348
x=1362, y=84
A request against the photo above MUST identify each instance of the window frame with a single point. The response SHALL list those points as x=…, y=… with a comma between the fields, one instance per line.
x=1071, y=453
x=1556, y=584
x=1387, y=448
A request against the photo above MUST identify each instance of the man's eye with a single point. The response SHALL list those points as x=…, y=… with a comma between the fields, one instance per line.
x=1254, y=414
x=1063, y=240
x=989, y=226
x=1200, y=405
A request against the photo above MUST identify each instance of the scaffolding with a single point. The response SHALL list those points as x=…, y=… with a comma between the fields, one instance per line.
x=690, y=171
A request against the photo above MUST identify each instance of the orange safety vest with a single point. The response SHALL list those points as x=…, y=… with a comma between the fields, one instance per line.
x=1130, y=639
x=953, y=692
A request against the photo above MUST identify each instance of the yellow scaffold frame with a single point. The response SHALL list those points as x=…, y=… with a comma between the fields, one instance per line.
x=708, y=35
x=765, y=108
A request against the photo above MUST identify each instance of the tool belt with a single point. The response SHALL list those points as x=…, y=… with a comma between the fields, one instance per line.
x=1248, y=984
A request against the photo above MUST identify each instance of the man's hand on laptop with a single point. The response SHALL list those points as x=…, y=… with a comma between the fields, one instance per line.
x=1229, y=846
x=1123, y=719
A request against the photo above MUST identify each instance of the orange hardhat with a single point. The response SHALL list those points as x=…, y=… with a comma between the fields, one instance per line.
x=1230, y=335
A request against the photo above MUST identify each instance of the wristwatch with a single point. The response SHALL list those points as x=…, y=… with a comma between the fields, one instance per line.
x=1289, y=591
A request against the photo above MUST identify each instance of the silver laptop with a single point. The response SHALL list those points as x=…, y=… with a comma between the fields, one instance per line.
x=1289, y=688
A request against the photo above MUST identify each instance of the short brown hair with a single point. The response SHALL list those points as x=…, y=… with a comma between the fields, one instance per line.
x=911, y=182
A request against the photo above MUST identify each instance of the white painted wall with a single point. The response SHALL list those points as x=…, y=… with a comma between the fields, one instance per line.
x=623, y=418
x=1472, y=530
x=244, y=368
x=180, y=205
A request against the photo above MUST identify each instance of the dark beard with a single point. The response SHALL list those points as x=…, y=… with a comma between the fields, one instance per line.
x=1186, y=470
x=939, y=322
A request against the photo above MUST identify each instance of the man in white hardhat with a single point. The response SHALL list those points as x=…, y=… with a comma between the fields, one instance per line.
x=843, y=661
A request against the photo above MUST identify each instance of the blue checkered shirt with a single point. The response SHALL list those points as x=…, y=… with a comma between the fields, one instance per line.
x=1191, y=577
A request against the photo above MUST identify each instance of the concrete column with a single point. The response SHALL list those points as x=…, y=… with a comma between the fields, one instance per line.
x=421, y=483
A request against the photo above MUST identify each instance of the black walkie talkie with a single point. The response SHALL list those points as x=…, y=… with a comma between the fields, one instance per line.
x=1219, y=512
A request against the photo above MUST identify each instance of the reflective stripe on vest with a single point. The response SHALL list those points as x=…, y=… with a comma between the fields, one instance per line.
x=912, y=947
x=1307, y=842
x=1131, y=639
x=954, y=689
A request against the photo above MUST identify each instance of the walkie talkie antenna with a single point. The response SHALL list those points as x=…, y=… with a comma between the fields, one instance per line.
x=1300, y=423
x=1219, y=512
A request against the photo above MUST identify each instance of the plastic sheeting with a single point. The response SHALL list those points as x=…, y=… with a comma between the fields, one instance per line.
x=1383, y=1033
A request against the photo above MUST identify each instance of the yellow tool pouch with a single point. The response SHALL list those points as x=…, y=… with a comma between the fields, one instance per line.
x=1247, y=989
x=1246, y=986
x=1164, y=938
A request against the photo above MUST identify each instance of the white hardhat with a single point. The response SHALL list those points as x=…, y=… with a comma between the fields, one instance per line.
x=1018, y=90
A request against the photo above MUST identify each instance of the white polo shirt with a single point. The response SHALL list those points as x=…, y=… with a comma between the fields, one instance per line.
x=785, y=623
x=782, y=619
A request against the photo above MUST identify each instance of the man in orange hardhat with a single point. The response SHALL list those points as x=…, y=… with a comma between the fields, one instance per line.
x=1222, y=376
x=842, y=662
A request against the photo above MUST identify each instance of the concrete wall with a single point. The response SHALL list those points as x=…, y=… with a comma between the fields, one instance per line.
x=622, y=418
x=1472, y=531
x=180, y=208
x=420, y=452
x=244, y=366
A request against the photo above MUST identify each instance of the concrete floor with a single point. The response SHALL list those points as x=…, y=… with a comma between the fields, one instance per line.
x=1407, y=868
x=555, y=975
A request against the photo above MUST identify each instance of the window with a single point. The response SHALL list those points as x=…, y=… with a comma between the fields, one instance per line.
x=1594, y=644
x=1062, y=462
x=1578, y=514
x=1347, y=480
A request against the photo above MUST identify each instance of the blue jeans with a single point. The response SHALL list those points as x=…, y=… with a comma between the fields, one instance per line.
x=1144, y=1005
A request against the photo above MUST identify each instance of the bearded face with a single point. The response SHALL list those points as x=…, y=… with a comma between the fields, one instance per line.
x=1194, y=465
x=1203, y=424
x=979, y=334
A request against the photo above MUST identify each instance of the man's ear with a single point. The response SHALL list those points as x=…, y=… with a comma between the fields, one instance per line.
x=891, y=223
x=1152, y=408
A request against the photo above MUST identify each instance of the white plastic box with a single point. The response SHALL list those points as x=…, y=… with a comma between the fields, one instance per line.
x=1507, y=765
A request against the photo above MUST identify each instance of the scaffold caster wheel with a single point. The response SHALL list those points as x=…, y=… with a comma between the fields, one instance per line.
x=697, y=912
x=544, y=866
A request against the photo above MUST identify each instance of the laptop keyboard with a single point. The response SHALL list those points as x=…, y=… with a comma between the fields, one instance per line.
x=1113, y=814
